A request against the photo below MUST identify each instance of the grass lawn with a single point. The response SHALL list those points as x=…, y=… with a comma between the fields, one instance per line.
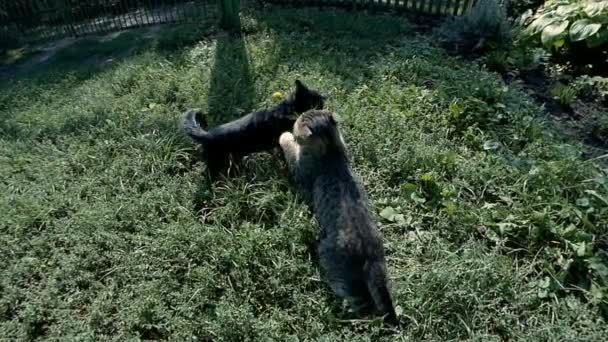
x=496, y=227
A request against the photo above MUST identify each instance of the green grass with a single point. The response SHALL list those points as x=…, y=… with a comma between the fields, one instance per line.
x=496, y=228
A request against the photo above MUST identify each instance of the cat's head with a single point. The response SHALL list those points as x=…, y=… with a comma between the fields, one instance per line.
x=318, y=129
x=304, y=98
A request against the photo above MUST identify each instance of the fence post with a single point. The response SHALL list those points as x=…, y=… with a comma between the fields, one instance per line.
x=68, y=18
x=229, y=14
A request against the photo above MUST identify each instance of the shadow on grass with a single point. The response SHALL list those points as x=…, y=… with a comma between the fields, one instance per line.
x=338, y=42
x=62, y=66
x=231, y=89
x=94, y=53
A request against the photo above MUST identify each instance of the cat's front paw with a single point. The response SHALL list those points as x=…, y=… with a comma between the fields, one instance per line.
x=286, y=139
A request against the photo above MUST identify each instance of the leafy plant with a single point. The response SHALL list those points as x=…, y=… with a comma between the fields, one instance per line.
x=524, y=58
x=498, y=61
x=484, y=27
x=599, y=129
x=562, y=22
x=564, y=94
x=594, y=87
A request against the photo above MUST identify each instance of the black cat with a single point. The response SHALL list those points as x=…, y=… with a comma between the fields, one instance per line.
x=254, y=132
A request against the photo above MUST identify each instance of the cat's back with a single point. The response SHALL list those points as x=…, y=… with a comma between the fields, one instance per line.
x=252, y=132
x=342, y=210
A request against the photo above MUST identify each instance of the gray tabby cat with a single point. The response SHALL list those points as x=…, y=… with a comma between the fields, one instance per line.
x=351, y=254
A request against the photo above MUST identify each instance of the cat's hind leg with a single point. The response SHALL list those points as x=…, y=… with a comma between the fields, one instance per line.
x=343, y=277
x=217, y=164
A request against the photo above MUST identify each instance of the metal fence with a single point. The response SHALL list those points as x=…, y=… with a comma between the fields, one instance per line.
x=437, y=7
x=33, y=20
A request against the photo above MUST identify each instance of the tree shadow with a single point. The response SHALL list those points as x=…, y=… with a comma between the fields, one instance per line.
x=328, y=41
x=65, y=65
x=231, y=88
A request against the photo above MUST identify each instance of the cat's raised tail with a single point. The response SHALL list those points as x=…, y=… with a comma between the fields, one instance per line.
x=192, y=127
x=377, y=287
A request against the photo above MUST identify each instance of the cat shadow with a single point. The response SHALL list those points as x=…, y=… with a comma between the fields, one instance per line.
x=325, y=39
x=258, y=168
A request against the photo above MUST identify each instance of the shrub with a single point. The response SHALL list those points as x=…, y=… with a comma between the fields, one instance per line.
x=560, y=23
x=594, y=87
x=486, y=26
x=497, y=61
x=525, y=58
x=599, y=129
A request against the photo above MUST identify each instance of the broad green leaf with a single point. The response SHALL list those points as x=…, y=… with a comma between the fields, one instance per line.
x=598, y=265
x=596, y=8
x=408, y=188
x=541, y=22
x=581, y=249
x=417, y=198
x=389, y=213
x=553, y=32
x=450, y=207
x=427, y=177
x=492, y=236
x=582, y=202
x=506, y=227
x=400, y=218
x=566, y=10
x=583, y=29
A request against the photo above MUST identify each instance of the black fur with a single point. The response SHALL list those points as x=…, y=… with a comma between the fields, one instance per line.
x=254, y=132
